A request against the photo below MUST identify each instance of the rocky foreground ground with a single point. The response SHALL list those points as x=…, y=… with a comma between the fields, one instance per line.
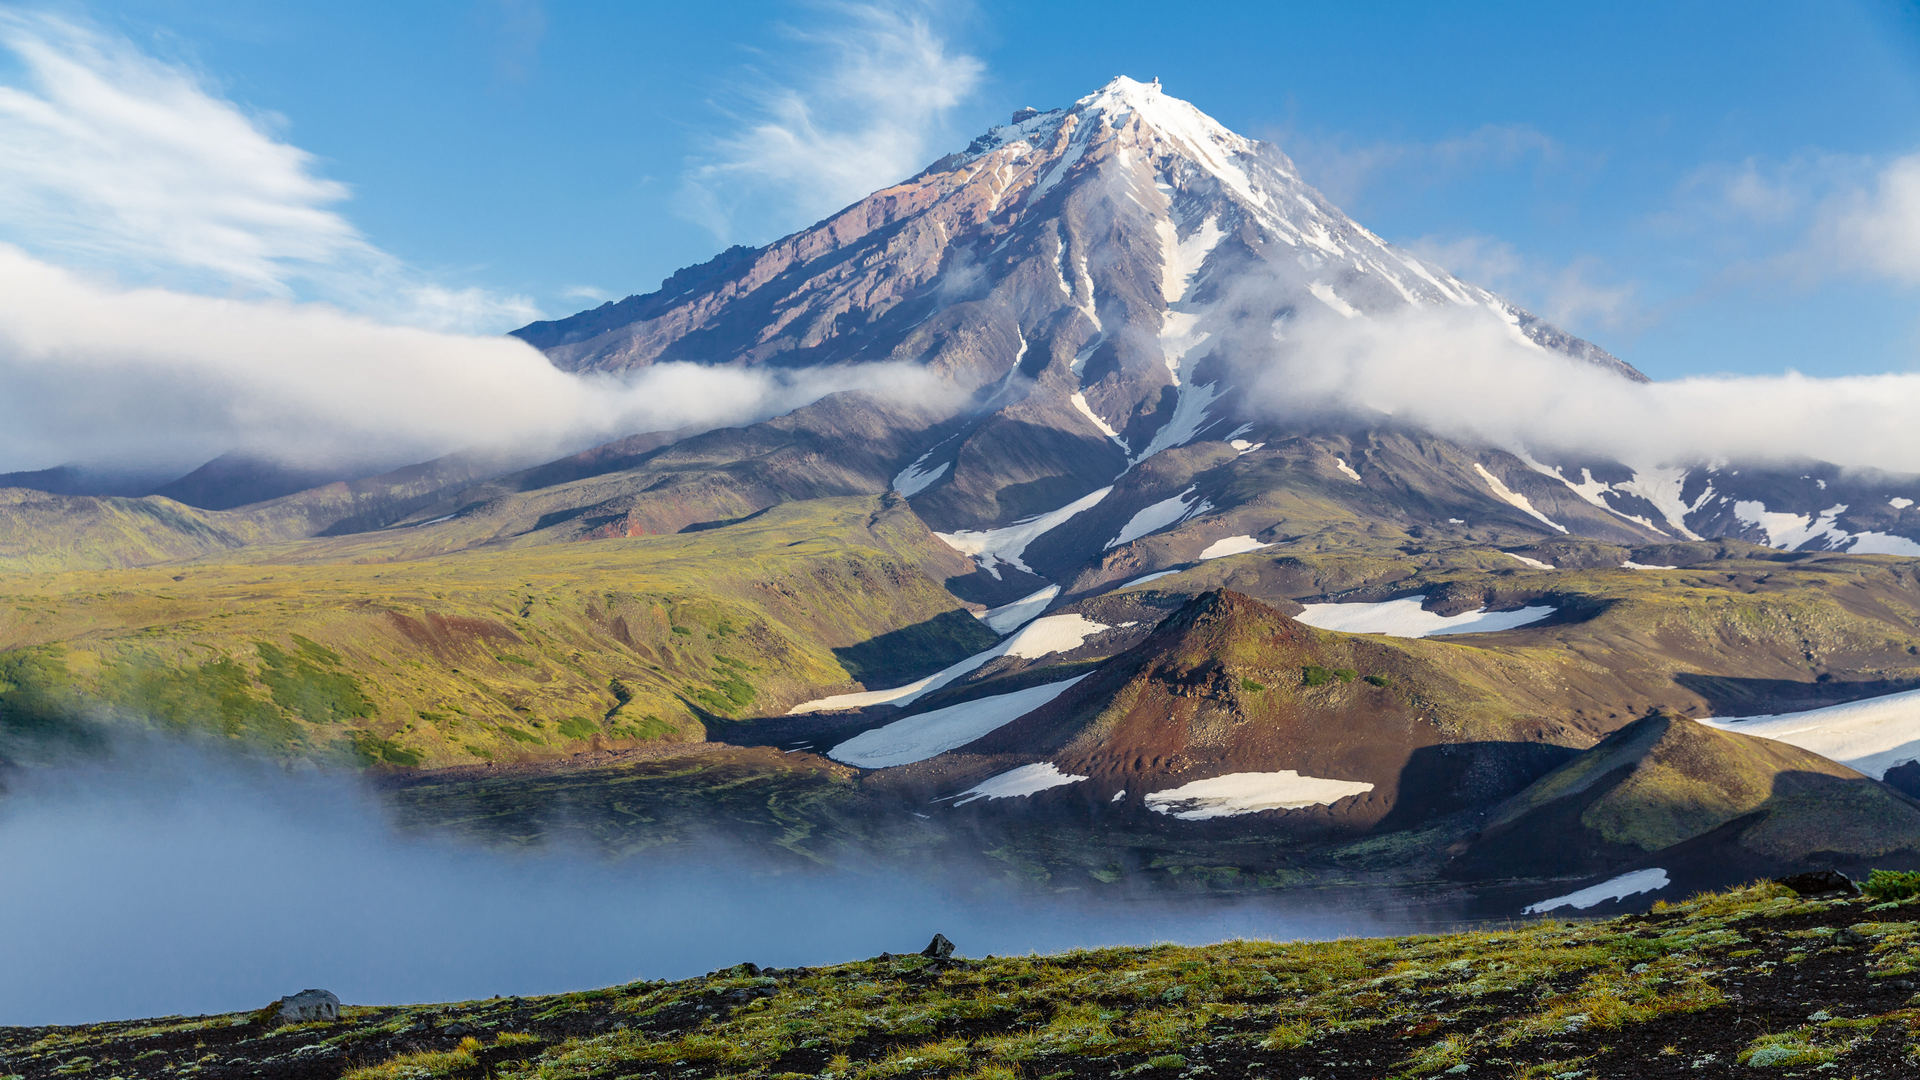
x=1764, y=980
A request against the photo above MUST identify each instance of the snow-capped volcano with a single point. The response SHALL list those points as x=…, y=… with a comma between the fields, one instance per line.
x=1101, y=283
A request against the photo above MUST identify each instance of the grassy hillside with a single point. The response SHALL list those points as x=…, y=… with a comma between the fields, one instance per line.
x=488, y=655
x=1751, y=632
x=1759, y=981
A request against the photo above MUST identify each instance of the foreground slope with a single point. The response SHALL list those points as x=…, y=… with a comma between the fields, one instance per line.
x=1757, y=978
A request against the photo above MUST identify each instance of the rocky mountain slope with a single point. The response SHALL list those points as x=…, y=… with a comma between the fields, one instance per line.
x=1102, y=601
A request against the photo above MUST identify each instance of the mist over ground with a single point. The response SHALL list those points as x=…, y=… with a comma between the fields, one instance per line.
x=168, y=880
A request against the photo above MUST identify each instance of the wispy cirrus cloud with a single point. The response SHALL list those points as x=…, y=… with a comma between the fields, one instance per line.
x=861, y=102
x=1346, y=169
x=1580, y=294
x=114, y=159
x=1811, y=216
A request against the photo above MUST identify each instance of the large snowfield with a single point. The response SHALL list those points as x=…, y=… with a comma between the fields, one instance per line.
x=1872, y=735
x=1042, y=637
x=924, y=735
x=1406, y=618
x=1248, y=793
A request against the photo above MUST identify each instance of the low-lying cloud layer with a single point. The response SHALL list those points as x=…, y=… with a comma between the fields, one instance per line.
x=1462, y=372
x=170, y=882
x=102, y=375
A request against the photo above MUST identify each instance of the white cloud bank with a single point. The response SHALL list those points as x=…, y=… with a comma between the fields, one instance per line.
x=113, y=159
x=104, y=375
x=1462, y=373
x=863, y=109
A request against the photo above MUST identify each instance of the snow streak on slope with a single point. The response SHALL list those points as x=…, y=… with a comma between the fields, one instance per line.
x=1008, y=617
x=1181, y=260
x=1871, y=735
x=992, y=547
x=917, y=738
x=1079, y=400
x=1515, y=499
x=1043, y=637
x=1160, y=515
x=1018, y=783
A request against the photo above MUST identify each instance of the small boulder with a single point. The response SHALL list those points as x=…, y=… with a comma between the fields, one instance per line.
x=1820, y=883
x=939, y=948
x=306, y=1006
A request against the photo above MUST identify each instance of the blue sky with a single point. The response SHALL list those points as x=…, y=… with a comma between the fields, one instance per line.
x=1688, y=184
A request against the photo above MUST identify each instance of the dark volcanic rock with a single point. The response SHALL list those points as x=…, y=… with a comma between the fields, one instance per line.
x=939, y=948
x=1820, y=883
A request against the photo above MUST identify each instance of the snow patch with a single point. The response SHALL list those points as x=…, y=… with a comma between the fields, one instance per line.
x=1341, y=464
x=1871, y=735
x=1535, y=563
x=1018, y=783
x=1250, y=793
x=991, y=547
x=1619, y=888
x=1791, y=532
x=1144, y=578
x=1055, y=633
x=1231, y=545
x=1406, y=618
x=1631, y=565
x=1515, y=499
x=917, y=738
x=1899, y=502
x=916, y=478
x=1879, y=543
x=1662, y=487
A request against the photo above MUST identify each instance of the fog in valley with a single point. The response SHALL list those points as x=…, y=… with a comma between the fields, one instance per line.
x=161, y=880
